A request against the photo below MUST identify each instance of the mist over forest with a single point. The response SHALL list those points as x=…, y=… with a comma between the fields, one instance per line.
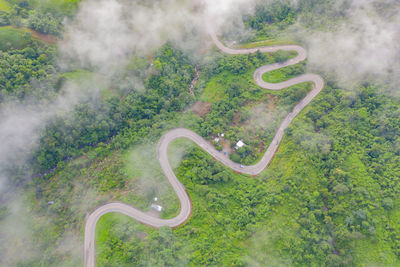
x=88, y=88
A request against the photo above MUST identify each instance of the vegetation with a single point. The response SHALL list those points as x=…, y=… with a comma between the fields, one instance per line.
x=4, y=6
x=46, y=25
x=19, y=68
x=329, y=198
x=240, y=109
x=42, y=16
x=280, y=75
x=67, y=135
x=11, y=38
x=322, y=201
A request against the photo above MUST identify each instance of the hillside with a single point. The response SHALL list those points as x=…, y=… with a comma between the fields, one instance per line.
x=88, y=89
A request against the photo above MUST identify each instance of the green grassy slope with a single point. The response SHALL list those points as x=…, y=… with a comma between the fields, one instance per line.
x=13, y=38
x=4, y=6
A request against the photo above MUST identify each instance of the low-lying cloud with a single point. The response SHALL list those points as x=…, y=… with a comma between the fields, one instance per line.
x=104, y=33
x=102, y=38
x=364, y=44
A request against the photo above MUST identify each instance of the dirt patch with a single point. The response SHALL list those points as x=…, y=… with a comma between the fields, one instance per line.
x=226, y=147
x=236, y=118
x=271, y=103
x=261, y=147
x=201, y=108
x=45, y=38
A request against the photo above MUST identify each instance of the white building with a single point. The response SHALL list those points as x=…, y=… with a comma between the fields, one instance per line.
x=239, y=144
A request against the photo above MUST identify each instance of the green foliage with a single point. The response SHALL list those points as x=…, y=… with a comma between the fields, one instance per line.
x=94, y=122
x=329, y=197
x=159, y=248
x=19, y=68
x=213, y=172
x=44, y=24
x=42, y=16
x=318, y=206
x=270, y=17
x=234, y=95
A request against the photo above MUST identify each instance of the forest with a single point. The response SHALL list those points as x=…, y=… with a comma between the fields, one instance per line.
x=329, y=197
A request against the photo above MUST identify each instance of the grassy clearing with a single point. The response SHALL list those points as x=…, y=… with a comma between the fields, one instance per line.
x=275, y=76
x=77, y=75
x=66, y=7
x=18, y=38
x=14, y=38
x=4, y=6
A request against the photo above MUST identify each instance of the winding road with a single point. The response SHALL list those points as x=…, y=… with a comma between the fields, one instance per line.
x=162, y=148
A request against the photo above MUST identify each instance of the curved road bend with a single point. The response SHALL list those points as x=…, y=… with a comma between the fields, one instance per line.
x=162, y=148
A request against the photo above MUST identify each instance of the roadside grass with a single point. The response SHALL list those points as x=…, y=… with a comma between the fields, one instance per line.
x=66, y=7
x=216, y=88
x=281, y=75
x=275, y=76
x=5, y=6
x=87, y=80
x=270, y=42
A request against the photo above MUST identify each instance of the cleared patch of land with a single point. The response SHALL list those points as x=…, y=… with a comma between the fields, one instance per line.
x=17, y=38
x=11, y=37
x=201, y=108
x=4, y=6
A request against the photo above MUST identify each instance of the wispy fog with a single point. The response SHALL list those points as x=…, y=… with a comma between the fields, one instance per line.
x=106, y=33
x=364, y=44
x=101, y=38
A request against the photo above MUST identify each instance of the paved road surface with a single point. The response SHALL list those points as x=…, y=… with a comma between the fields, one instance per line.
x=162, y=149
